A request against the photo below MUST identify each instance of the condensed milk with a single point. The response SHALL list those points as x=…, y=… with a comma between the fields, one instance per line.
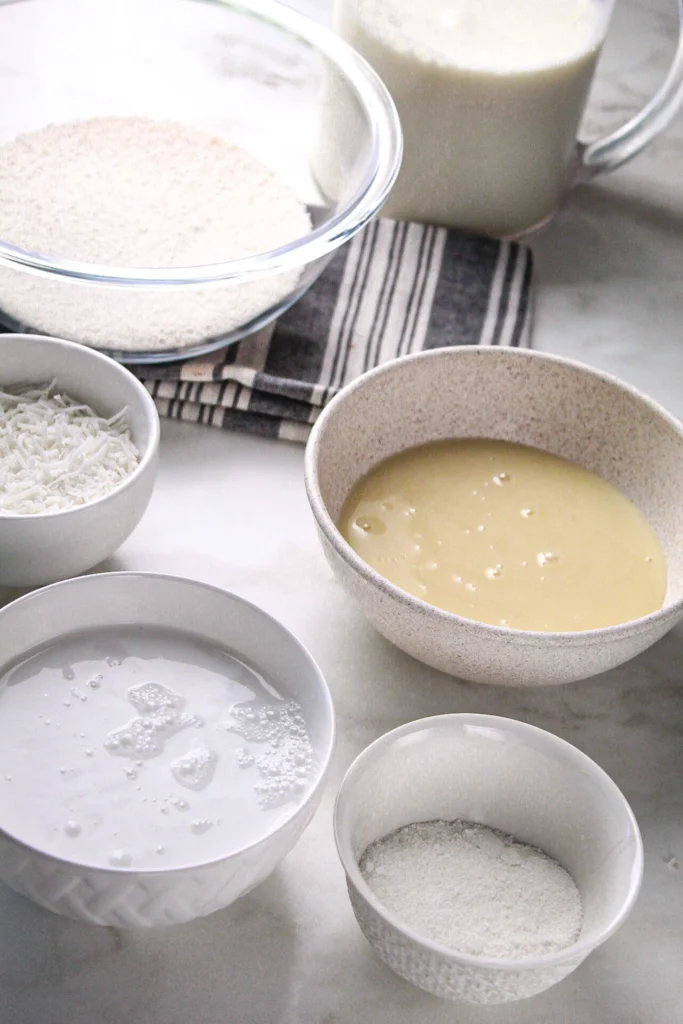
x=506, y=535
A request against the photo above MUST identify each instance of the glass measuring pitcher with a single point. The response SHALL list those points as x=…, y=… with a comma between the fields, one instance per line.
x=490, y=96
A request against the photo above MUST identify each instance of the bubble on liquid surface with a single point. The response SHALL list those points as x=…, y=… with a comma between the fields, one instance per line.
x=72, y=829
x=79, y=694
x=244, y=758
x=150, y=697
x=169, y=721
x=68, y=673
x=200, y=825
x=547, y=557
x=95, y=683
x=144, y=736
x=371, y=524
x=195, y=769
x=137, y=739
x=120, y=858
x=286, y=761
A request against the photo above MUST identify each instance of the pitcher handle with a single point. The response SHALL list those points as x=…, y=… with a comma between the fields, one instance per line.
x=607, y=154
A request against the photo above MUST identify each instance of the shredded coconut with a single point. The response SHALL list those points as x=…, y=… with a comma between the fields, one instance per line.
x=56, y=453
x=135, y=192
x=474, y=889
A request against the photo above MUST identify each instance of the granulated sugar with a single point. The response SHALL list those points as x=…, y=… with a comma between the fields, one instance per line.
x=474, y=889
x=134, y=192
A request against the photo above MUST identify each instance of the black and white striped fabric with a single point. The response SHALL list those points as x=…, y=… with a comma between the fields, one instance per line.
x=395, y=288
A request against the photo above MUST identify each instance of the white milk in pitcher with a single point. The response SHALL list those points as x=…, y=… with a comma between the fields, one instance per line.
x=490, y=94
x=134, y=747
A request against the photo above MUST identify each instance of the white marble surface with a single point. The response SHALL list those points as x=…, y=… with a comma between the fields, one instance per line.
x=231, y=510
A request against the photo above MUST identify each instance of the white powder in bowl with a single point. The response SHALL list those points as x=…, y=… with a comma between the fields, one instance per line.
x=134, y=192
x=474, y=889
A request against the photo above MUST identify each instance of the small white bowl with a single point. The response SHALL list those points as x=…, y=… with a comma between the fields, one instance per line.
x=510, y=776
x=137, y=898
x=506, y=394
x=38, y=549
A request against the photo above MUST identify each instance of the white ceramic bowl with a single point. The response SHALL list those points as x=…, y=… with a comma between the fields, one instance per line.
x=514, y=395
x=134, y=898
x=40, y=549
x=510, y=776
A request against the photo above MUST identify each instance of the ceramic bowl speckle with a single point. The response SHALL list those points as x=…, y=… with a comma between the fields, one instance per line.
x=39, y=549
x=130, y=897
x=514, y=395
x=510, y=776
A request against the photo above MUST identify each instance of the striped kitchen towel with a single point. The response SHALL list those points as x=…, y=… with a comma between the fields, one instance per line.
x=396, y=288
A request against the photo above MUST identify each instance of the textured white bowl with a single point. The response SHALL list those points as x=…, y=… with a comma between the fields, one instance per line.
x=513, y=395
x=44, y=548
x=510, y=776
x=125, y=897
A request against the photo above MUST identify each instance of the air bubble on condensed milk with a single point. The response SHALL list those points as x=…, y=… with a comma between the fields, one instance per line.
x=180, y=748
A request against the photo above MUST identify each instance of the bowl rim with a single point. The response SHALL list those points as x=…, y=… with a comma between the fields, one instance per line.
x=385, y=160
x=577, y=950
x=324, y=761
x=105, y=364
x=520, y=637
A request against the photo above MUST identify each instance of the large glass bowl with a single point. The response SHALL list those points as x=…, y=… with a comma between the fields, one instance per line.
x=254, y=72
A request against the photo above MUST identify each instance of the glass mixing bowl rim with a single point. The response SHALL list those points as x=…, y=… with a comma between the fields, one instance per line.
x=384, y=163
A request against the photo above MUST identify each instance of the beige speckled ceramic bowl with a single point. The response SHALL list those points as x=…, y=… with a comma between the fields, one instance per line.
x=515, y=395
